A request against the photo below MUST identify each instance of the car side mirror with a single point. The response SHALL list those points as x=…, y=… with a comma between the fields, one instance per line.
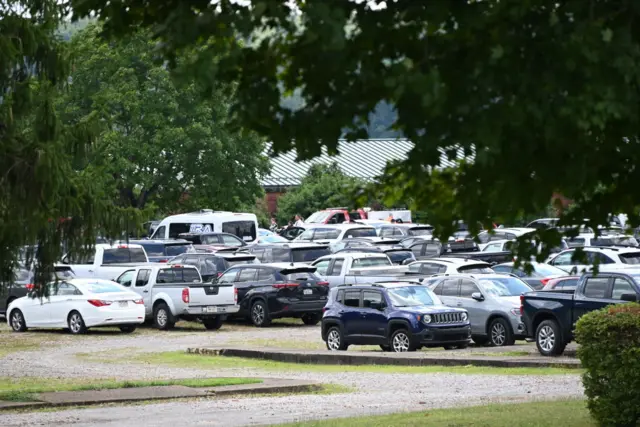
x=477, y=296
x=629, y=297
x=377, y=306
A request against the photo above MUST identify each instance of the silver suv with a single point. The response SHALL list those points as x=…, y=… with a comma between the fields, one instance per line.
x=493, y=303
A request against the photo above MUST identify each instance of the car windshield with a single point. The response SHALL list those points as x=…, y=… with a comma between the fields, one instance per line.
x=475, y=268
x=360, y=232
x=412, y=296
x=397, y=257
x=318, y=217
x=546, y=270
x=371, y=262
x=103, y=288
x=505, y=286
x=120, y=255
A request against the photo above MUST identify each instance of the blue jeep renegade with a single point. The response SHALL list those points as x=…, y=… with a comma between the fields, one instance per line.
x=397, y=316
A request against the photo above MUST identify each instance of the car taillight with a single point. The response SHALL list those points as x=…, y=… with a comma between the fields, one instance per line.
x=185, y=295
x=30, y=286
x=176, y=266
x=99, y=302
x=235, y=295
x=545, y=281
x=285, y=285
x=521, y=305
x=322, y=283
x=139, y=301
x=163, y=260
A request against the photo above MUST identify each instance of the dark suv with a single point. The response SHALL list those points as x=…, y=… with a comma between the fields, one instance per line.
x=289, y=252
x=398, y=316
x=213, y=265
x=271, y=291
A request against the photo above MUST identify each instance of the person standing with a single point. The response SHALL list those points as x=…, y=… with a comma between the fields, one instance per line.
x=299, y=222
x=274, y=225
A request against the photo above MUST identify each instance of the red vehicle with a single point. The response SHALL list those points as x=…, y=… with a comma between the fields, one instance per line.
x=336, y=216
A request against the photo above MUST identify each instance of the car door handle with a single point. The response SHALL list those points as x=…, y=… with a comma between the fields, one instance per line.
x=145, y=292
x=90, y=271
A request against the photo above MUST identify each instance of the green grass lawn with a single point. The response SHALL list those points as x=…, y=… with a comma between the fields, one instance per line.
x=22, y=389
x=182, y=359
x=565, y=413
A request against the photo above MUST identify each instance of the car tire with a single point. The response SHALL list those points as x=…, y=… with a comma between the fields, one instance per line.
x=127, y=329
x=385, y=347
x=16, y=319
x=335, y=340
x=549, y=339
x=75, y=323
x=163, y=318
x=500, y=333
x=401, y=341
x=212, y=323
x=260, y=314
x=311, y=319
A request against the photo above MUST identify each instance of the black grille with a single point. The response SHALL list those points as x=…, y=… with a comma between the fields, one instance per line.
x=446, y=318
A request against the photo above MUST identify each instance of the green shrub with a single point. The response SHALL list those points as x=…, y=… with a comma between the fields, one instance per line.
x=610, y=353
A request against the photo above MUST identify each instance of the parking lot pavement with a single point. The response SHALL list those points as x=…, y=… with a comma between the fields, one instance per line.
x=375, y=393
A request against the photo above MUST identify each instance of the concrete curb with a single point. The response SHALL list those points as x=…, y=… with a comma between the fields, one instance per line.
x=138, y=394
x=411, y=359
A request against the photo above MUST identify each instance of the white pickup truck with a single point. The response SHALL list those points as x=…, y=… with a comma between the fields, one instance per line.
x=352, y=268
x=171, y=292
x=106, y=261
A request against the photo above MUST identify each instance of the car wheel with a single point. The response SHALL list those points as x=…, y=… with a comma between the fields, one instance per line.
x=260, y=314
x=75, y=323
x=401, y=341
x=212, y=323
x=127, y=329
x=335, y=340
x=162, y=317
x=500, y=333
x=16, y=319
x=385, y=347
x=311, y=319
x=549, y=339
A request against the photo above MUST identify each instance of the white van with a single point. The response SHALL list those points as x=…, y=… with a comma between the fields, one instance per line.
x=243, y=225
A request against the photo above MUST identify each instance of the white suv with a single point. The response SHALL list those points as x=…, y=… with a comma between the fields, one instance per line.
x=605, y=256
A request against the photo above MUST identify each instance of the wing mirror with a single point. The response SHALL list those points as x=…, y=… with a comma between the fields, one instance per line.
x=629, y=297
x=477, y=296
x=377, y=306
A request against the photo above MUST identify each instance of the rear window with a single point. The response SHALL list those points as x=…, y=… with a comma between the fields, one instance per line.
x=475, y=268
x=370, y=262
x=178, y=275
x=175, y=250
x=630, y=258
x=103, y=288
x=399, y=256
x=361, y=232
x=302, y=276
x=121, y=255
x=422, y=231
x=153, y=249
x=308, y=254
x=246, y=230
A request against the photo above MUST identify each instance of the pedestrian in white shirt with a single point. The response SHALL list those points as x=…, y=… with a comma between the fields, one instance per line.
x=299, y=222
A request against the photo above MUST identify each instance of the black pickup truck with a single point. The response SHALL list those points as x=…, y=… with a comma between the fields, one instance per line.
x=550, y=317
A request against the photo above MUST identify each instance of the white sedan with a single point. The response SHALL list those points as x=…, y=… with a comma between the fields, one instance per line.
x=79, y=304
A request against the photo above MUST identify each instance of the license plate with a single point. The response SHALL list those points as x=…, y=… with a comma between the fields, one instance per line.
x=307, y=291
x=209, y=309
x=124, y=303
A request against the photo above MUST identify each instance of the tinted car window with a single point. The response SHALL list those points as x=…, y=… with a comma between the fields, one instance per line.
x=245, y=230
x=264, y=274
x=228, y=276
x=178, y=275
x=337, y=267
x=630, y=258
x=620, y=287
x=567, y=284
x=467, y=287
x=596, y=287
x=352, y=298
x=247, y=275
x=153, y=249
x=123, y=255
x=308, y=254
x=430, y=268
x=174, y=250
x=361, y=232
x=143, y=278
x=450, y=288
x=369, y=297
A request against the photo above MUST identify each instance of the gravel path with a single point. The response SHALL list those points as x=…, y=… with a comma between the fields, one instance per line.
x=376, y=393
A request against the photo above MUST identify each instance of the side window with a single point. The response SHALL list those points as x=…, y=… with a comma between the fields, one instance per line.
x=228, y=240
x=143, y=278
x=266, y=275
x=228, y=277
x=397, y=232
x=210, y=239
x=510, y=236
x=340, y=296
x=126, y=278
x=191, y=260
x=467, y=287
x=65, y=289
x=430, y=268
x=352, y=298
x=337, y=267
x=620, y=287
x=450, y=288
x=438, y=289
x=160, y=232
x=369, y=297
x=206, y=266
x=386, y=232
x=340, y=218
x=247, y=275
x=322, y=267
x=414, y=267
x=563, y=259
x=484, y=237
x=596, y=287
x=417, y=249
x=493, y=247
x=603, y=259
x=432, y=249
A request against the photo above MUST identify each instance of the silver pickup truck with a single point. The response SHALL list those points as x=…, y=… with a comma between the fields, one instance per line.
x=357, y=268
x=173, y=292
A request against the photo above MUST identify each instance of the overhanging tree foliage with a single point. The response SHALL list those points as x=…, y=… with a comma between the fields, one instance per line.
x=45, y=199
x=161, y=142
x=543, y=94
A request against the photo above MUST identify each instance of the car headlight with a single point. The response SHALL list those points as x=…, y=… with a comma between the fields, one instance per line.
x=515, y=312
x=465, y=316
x=426, y=318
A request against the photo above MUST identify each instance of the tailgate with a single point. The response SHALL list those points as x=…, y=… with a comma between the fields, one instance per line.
x=212, y=294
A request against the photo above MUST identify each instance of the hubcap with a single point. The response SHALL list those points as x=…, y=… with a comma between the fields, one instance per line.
x=161, y=317
x=498, y=334
x=333, y=340
x=546, y=338
x=401, y=342
x=16, y=321
x=258, y=314
x=75, y=323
